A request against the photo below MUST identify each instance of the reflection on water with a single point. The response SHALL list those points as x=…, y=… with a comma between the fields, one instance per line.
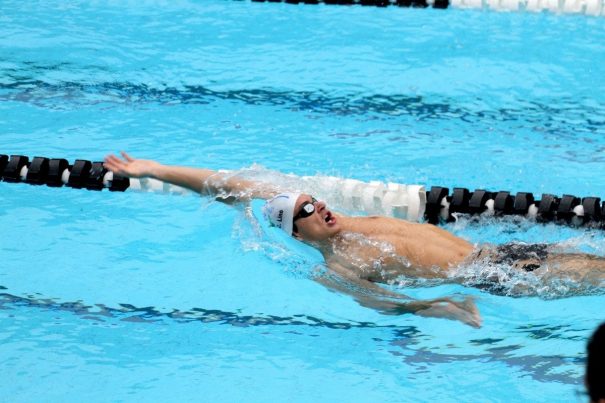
x=131, y=313
x=543, y=116
x=543, y=368
x=413, y=346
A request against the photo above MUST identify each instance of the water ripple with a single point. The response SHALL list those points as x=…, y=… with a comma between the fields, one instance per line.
x=543, y=116
x=131, y=313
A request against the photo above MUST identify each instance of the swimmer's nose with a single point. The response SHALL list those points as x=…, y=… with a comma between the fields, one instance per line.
x=320, y=205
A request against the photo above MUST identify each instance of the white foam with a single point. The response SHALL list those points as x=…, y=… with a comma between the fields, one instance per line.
x=587, y=7
x=347, y=195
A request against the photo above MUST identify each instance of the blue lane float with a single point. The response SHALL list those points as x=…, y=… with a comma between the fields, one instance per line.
x=409, y=202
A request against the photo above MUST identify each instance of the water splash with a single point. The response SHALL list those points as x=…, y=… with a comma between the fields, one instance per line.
x=547, y=282
x=378, y=261
x=374, y=259
x=297, y=259
x=349, y=196
x=486, y=228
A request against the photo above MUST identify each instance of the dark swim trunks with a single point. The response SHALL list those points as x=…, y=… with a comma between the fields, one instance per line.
x=528, y=257
x=517, y=256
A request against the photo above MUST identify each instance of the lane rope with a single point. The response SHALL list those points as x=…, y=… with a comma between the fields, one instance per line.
x=568, y=209
x=410, y=202
x=586, y=7
x=390, y=199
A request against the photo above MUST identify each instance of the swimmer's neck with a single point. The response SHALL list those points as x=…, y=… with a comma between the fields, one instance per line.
x=327, y=246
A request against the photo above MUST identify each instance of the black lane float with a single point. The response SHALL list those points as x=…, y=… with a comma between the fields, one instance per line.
x=56, y=172
x=441, y=206
x=375, y=3
x=587, y=7
x=567, y=209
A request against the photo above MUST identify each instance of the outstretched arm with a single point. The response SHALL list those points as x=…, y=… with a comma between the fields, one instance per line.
x=203, y=181
x=371, y=295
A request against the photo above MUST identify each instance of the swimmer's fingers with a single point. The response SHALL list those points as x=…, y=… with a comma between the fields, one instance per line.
x=126, y=156
x=118, y=165
x=465, y=312
x=111, y=163
x=114, y=164
x=121, y=167
x=132, y=167
x=474, y=317
x=459, y=298
x=112, y=160
x=469, y=304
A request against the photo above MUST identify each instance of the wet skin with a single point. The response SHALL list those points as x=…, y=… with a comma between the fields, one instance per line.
x=386, y=248
x=428, y=251
x=364, y=250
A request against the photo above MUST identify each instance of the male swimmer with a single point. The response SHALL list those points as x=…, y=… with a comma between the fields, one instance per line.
x=354, y=247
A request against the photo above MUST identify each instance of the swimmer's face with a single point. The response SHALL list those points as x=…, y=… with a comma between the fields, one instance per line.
x=318, y=225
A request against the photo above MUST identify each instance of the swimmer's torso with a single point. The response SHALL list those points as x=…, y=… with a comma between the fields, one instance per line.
x=382, y=248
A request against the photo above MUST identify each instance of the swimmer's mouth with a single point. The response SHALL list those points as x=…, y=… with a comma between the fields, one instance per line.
x=329, y=218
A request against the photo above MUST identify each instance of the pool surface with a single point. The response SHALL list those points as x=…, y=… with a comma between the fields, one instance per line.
x=148, y=297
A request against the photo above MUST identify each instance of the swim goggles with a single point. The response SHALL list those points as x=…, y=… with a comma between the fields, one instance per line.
x=306, y=209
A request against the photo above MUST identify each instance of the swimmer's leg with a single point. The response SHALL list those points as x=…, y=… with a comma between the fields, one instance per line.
x=580, y=267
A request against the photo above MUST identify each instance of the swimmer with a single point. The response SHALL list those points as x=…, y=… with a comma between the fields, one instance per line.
x=363, y=251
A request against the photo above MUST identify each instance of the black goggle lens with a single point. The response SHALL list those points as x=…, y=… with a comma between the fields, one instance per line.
x=306, y=210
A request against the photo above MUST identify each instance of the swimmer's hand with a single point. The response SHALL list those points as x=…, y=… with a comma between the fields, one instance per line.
x=465, y=311
x=131, y=167
x=447, y=308
x=370, y=295
x=200, y=180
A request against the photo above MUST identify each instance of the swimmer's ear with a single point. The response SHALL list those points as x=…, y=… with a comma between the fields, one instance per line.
x=295, y=233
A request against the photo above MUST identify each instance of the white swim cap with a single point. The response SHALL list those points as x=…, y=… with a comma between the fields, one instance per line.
x=280, y=211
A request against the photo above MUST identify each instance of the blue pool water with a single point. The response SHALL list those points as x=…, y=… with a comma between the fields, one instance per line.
x=145, y=297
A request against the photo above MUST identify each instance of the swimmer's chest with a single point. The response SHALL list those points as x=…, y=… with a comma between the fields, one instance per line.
x=375, y=246
x=371, y=260
x=392, y=230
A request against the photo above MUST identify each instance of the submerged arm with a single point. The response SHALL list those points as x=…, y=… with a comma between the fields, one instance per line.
x=203, y=181
x=371, y=295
